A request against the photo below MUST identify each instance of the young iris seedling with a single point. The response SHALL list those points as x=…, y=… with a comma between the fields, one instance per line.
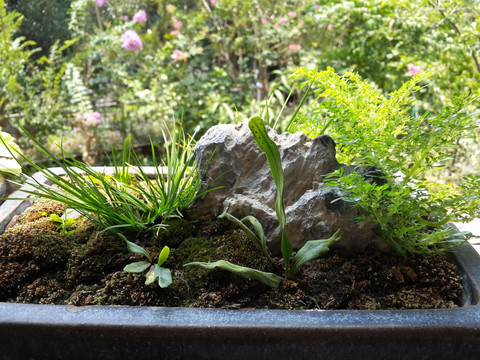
x=156, y=271
x=311, y=250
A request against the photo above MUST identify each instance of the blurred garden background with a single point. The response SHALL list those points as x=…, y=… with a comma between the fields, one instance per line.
x=88, y=73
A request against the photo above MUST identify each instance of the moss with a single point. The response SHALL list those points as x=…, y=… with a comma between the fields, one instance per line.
x=38, y=211
x=175, y=232
x=101, y=253
x=178, y=230
x=232, y=245
x=39, y=265
x=39, y=241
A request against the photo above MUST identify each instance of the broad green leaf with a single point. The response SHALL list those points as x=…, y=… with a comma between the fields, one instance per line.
x=258, y=229
x=272, y=153
x=163, y=255
x=258, y=238
x=313, y=249
x=268, y=279
x=134, y=248
x=163, y=275
x=255, y=238
x=270, y=149
x=137, y=267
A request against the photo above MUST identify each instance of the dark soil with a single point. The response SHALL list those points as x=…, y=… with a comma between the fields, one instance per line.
x=38, y=264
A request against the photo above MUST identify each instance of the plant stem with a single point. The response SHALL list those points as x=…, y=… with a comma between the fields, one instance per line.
x=99, y=19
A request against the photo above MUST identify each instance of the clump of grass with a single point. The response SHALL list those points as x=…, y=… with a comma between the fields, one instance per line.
x=128, y=199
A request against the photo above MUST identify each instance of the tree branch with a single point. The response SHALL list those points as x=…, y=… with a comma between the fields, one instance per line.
x=457, y=30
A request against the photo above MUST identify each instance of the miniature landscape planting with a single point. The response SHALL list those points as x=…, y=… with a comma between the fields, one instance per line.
x=39, y=264
x=247, y=217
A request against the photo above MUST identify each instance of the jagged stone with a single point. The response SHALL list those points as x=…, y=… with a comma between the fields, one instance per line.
x=230, y=158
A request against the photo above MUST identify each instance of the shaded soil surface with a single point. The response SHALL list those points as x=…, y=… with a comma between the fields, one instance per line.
x=38, y=264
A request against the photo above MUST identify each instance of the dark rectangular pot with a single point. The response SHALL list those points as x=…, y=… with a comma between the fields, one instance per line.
x=113, y=332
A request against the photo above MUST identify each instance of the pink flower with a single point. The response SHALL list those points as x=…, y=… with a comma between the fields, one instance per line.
x=174, y=32
x=283, y=20
x=317, y=6
x=264, y=21
x=414, y=69
x=294, y=47
x=124, y=17
x=92, y=119
x=292, y=14
x=178, y=55
x=213, y=2
x=243, y=24
x=100, y=3
x=330, y=27
x=140, y=16
x=177, y=24
x=131, y=40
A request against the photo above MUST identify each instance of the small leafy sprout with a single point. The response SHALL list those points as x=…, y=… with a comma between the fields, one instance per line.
x=64, y=221
x=311, y=250
x=156, y=272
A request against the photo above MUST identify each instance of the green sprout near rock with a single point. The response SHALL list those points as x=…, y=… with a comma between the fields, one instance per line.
x=311, y=250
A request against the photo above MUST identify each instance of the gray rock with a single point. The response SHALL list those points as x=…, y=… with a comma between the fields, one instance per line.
x=229, y=157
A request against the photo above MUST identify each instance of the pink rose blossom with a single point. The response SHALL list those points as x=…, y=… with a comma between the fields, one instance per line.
x=178, y=55
x=294, y=47
x=92, y=119
x=283, y=20
x=101, y=3
x=414, y=69
x=131, y=40
x=264, y=21
x=213, y=2
x=140, y=16
x=124, y=17
x=330, y=27
x=292, y=14
x=174, y=32
x=177, y=24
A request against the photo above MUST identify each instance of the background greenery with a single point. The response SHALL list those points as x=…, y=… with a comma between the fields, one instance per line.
x=210, y=62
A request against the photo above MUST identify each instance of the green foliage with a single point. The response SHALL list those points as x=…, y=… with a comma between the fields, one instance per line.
x=156, y=272
x=64, y=222
x=121, y=202
x=256, y=236
x=45, y=22
x=311, y=250
x=15, y=54
x=270, y=149
x=268, y=279
x=219, y=63
x=372, y=129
